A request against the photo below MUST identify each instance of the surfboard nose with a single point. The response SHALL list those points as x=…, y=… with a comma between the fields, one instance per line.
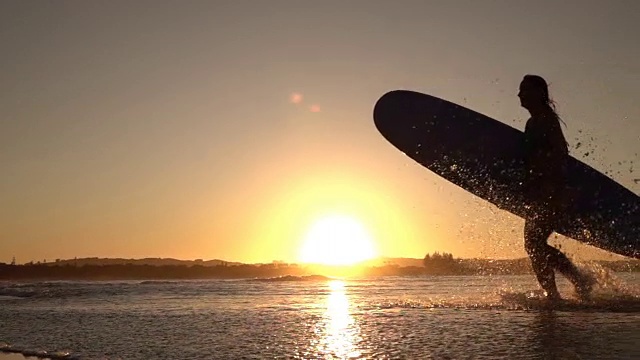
x=399, y=117
x=389, y=113
x=381, y=117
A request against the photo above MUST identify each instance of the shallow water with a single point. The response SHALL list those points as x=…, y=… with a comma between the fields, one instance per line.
x=420, y=317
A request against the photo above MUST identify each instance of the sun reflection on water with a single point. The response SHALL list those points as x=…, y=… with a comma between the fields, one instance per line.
x=338, y=330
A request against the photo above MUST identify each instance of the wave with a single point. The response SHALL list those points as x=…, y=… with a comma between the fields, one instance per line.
x=293, y=278
x=40, y=354
x=13, y=293
x=157, y=282
x=47, y=290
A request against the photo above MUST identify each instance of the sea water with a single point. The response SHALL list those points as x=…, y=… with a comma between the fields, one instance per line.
x=430, y=317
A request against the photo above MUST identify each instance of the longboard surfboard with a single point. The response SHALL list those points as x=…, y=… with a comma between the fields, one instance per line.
x=485, y=157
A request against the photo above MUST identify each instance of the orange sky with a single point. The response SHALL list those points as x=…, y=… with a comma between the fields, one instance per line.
x=224, y=129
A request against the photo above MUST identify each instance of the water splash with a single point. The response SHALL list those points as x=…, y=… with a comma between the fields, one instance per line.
x=606, y=282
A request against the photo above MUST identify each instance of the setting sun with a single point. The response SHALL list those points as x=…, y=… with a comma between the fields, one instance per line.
x=337, y=240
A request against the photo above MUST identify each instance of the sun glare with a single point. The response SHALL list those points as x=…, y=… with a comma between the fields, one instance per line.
x=337, y=240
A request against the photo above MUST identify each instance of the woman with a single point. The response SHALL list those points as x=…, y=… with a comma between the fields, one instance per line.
x=546, y=153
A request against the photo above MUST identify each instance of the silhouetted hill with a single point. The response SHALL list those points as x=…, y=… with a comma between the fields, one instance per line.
x=145, y=261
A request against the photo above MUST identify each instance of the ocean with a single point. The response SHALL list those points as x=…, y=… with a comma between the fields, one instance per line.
x=428, y=317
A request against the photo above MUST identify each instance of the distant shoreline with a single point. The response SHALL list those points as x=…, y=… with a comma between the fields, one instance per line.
x=106, y=269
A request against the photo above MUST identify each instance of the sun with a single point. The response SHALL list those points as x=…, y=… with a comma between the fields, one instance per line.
x=337, y=240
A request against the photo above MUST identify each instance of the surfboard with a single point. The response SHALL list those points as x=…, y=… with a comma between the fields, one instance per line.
x=485, y=157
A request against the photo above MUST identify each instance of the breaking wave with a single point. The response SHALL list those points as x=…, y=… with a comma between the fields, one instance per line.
x=293, y=278
x=40, y=354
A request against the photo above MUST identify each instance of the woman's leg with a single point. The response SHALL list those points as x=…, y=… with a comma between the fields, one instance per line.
x=536, y=233
x=546, y=258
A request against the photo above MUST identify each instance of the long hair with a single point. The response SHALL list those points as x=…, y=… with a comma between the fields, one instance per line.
x=541, y=86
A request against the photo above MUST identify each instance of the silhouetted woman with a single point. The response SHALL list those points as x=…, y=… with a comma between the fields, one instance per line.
x=546, y=156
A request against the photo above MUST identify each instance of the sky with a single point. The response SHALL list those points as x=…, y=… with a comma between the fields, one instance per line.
x=226, y=129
